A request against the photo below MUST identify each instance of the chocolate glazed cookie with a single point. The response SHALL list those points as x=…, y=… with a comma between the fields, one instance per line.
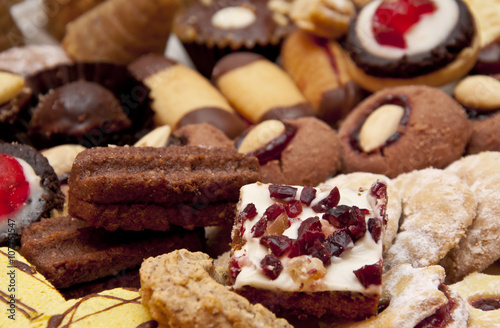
x=401, y=129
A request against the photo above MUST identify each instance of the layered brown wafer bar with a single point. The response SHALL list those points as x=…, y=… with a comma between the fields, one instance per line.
x=137, y=188
x=68, y=251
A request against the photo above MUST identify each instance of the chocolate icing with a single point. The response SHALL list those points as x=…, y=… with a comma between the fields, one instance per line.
x=150, y=64
x=461, y=37
x=231, y=124
x=233, y=61
x=291, y=112
x=488, y=61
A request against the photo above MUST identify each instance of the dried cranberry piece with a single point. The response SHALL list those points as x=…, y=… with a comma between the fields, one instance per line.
x=375, y=228
x=273, y=211
x=293, y=208
x=379, y=189
x=14, y=188
x=272, y=267
x=278, y=244
x=250, y=211
x=329, y=202
x=309, y=230
x=357, y=226
x=339, y=216
x=235, y=268
x=307, y=195
x=339, y=242
x=259, y=228
x=370, y=274
x=282, y=192
x=321, y=250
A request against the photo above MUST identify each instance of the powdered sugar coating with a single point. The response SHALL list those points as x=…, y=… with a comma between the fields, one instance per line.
x=437, y=209
x=30, y=59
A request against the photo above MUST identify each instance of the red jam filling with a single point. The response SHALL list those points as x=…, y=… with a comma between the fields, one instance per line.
x=487, y=304
x=394, y=18
x=14, y=189
x=443, y=315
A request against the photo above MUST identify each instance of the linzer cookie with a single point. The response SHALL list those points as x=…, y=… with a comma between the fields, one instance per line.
x=29, y=190
x=319, y=70
x=182, y=96
x=259, y=89
x=136, y=188
x=430, y=42
x=304, y=251
x=303, y=151
x=209, y=30
x=402, y=129
x=68, y=251
x=480, y=96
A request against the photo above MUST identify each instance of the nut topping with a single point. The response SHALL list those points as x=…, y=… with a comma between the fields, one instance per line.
x=10, y=86
x=479, y=92
x=261, y=135
x=231, y=18
x=61, y=157
x=379, y=126
x=156, y=138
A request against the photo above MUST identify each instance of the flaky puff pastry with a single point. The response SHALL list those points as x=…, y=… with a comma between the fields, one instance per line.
x=119, y=31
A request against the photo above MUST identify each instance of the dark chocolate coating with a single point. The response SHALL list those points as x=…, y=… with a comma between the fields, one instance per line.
x=488, y=61
x=461, y=36
x=288, y=113
x=76, y=109
x=337, y=103
x=233, y=61
x=231, y=124
x=150, y=64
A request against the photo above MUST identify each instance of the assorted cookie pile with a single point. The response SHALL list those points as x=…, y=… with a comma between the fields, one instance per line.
x=322, y=163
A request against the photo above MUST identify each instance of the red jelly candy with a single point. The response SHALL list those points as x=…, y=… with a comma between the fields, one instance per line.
x=14, y=189
x=393, y=19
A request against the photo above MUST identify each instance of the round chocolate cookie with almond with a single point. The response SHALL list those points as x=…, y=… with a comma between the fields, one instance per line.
x=402, y=129
x=29, y=190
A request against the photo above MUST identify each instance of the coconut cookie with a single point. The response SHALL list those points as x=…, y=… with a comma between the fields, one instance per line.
x=302, y=151
x=363, y=181
x=481, y=292
x=479, y=247
x=402, y=129
x=416, y=297
x=437, y=209
x=430, y=42
x=178, y=290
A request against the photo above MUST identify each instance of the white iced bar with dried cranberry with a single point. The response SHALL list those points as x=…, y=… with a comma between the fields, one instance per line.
x=294, y=238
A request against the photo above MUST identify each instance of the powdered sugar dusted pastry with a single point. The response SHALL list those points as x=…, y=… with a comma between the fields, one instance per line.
x=416, y=297
x=363, y=181
x=31, y=59
x=400, y=42
x=310, y=251
x=401, y=129
x=481, y=292
x=437, y=209
x=178, y=290
x=479, y=247
x=302, y=151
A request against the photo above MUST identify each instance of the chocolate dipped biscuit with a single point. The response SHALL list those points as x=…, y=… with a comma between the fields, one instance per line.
x=209, y=30
x=303, y=151
x=319, y=70
x=402, y=42
x=68, y=251
x=259, y=89
x=29, y=190
x=137, y=188
x=181, y=96
x=404, y=128
x=480, y=96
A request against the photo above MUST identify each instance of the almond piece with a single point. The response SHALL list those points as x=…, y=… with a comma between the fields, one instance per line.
x=379, y=126
x=61, y=157
x=479, y=91
x=261, y=135
x=10, y=86
x=156, y=138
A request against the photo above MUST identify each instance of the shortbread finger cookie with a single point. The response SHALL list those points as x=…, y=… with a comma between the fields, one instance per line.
x=178, y=290
x=438, y=43
x=438, y=207
x=319, y=70
x=301, y=151
x=363, y=181
x=416, y=297
x=136, y=188
x=325, y=18
x=182, y=96
x=119, y=31
x=401, y=129
x=478, y=249
x=259, y=89
x=480, y=96
x=481, y=292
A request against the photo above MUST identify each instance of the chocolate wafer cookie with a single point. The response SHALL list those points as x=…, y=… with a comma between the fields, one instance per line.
x=137, y=188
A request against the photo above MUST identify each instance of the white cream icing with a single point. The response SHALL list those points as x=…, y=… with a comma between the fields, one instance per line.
x=429, y=32
x=339, y=274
